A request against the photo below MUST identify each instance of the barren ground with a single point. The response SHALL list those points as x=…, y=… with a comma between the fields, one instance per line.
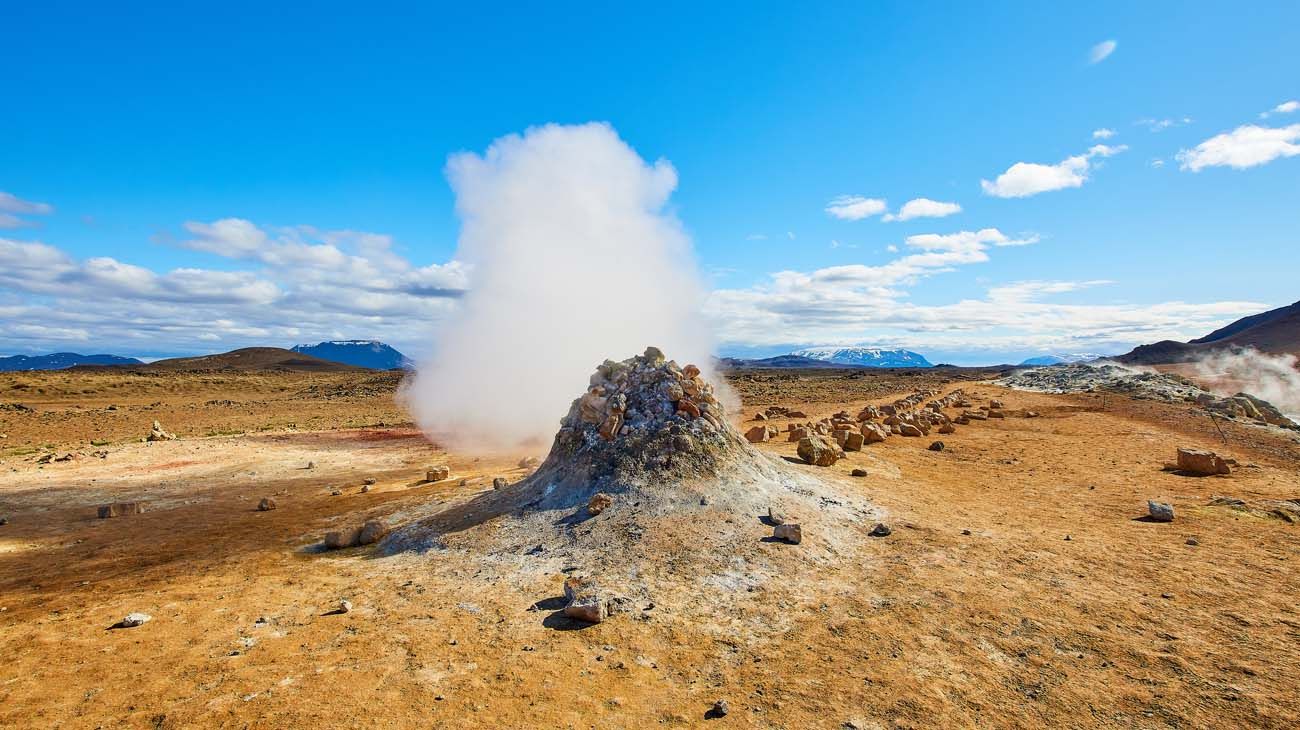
x=1059, y=608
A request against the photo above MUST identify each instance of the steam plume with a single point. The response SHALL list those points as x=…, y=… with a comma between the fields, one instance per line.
x=1274, y=378
x=574, y=259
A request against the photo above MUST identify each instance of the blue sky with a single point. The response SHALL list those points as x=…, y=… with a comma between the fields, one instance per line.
x=329, y=127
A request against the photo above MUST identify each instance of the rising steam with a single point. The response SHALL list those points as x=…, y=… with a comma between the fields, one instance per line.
x=1275, y=378
x=574, y=259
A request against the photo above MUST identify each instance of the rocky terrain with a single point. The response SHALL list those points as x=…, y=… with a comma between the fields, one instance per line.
x=1108, y=377
x=1018, y=576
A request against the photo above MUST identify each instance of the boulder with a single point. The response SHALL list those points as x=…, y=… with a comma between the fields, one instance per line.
x=266, y=505
x=1159, y=511
x=158, y=434
x=437, y=473
x=757, y=435
x=816, y=451
x=798, y=434
x=1200, y=461
x=372, y=532
x=997, y=414
x=995, y=404
x=880, y=530
x=853, y=441
x=499, y=483
x=599, y=502
x=584, y=601
x=936, y=446
x=873, y=433
x=345, y=538
x=120, y=509
x=791, y=534
x=907, y=429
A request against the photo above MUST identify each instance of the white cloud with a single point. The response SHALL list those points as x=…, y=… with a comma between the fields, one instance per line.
x=756, y=237
x=1101, y=51
x=1024, y=179
x=1156, y=162
x=11, y=206
x=923, y=208
x=1285, y=107
x=1246, y=146
x=1103, y=133
x=1160, y=125
x=855, y=207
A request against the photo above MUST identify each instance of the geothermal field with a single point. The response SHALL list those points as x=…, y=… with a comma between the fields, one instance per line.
x=793, y=548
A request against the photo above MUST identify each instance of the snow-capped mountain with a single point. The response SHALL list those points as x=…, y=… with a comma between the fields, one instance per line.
x=361, y=353
x=871, y=357
x=1059, y=359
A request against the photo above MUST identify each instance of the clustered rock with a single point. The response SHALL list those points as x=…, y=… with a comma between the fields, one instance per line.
x=367, y=534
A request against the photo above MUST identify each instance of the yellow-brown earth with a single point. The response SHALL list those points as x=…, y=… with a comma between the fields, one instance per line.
x=1017, y=589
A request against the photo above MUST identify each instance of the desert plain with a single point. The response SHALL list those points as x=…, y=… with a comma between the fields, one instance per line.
x=1020, y=584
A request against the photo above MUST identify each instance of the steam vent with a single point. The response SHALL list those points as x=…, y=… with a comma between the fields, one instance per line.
x=645, y=471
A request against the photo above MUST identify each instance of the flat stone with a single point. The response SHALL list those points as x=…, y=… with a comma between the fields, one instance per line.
x=791, y=534
x=1159, y=511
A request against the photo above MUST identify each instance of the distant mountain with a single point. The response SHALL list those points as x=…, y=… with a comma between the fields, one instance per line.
x=1059, y=359
x=252, y=358
x=780, y=361
x=869, y=357
x=61, y=360
x=1276, y=331
x=362, y=353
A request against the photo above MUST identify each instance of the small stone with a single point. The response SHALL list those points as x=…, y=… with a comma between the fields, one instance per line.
x=1067, y=538
x=1193, y=542
x=266, y=505
x=1159, y=511
x=437, y=473
x=936, y=446
x=965, y=532
x=719, y=709
x=339, y=539
x=336, y=493
x=599, y=503
x=365, y=488
x=858, y=473
x=369, y=481
x=4, y=521
x=775, y=517
x=311, y=465
x=135, y=619
x=880, y=530
x=499, y=483
x=345, y=606
x=529, y=462
x=120, y=509
x=791, y=534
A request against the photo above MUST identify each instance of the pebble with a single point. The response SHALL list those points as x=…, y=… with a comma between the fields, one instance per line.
x=881, y=530
x=936, y=446
x=858, y=473
x=136, y=619
x=719, y=709
x=336, y=493
x=345, y=606
x=1193, y=541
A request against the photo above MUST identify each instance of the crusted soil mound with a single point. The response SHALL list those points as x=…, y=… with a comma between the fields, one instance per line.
x=677, y=484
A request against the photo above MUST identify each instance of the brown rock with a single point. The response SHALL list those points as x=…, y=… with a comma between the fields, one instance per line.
x=499, y=483
x=345, y=538
x=858, y=473
x=437, y=473
x=599, y=502
x=798, y=434
x=757, y=435
x=792, y=534
x=120, y=509
x=690, y=371
x=372, y=532
x=266, y=505
x=873, y=433
x=1199, y=461
x=688, y=407
x=853, y=441
x=816, y=451
x=907, y=429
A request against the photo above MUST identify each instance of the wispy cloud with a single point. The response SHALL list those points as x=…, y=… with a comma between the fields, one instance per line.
x=1160, y=125
x=1286, y=107
x=1101, y=51
x=1103, y=133
x=1024, y=179
x=1246, y=146
x=923, y=208
x=855, y=207
x=11, y=207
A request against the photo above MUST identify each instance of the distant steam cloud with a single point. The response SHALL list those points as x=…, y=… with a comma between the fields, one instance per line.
x=1274, y=378
x=574, y=259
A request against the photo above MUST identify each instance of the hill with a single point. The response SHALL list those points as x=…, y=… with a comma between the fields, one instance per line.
x=869, y=357
x=60, y=361
x=1276, y=331
x=1059, y=359
x=780, y=361
x=361, y=353
x=252, y=358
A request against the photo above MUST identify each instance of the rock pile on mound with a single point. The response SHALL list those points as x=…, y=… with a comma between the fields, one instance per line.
x=1144, y=385
x=645, y=472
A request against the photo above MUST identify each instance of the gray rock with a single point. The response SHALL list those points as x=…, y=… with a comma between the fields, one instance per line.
x=1159, y=511
x=134, y=619
x=792, y=534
